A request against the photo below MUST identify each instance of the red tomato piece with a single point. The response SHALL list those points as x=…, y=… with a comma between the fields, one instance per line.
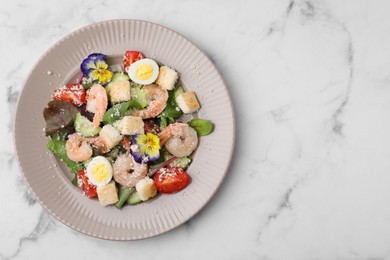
x=73, y=93
x=88, y=188
x=130, y=57
x=171, y=179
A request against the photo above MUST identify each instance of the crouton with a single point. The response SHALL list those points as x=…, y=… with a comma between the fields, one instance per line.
x=107, y=194
x=110, y=136
x=167, y=78
x=188, y=102
x=119, y=91
x=146, y=188
x=130, y=125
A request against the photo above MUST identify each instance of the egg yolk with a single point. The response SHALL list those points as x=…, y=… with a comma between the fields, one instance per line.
x=144, y=72
x=99, y=172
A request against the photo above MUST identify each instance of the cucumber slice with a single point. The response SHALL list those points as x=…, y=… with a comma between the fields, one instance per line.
x=178, y=91
x=119, y=76
x=85, y=127
x=182, y=162
x=108, y=87
x=134, y=199
x=139, y=97
x=166, y=155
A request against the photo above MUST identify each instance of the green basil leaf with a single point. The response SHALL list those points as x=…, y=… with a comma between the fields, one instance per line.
x=116, y=112
x=163, y=122
x=172, y=109
x=202, y=126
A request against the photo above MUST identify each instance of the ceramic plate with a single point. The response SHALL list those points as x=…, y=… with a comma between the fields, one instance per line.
x=49, y=179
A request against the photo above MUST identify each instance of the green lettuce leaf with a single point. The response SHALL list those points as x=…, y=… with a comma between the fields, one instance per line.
x=57, y=147
x=172, y=110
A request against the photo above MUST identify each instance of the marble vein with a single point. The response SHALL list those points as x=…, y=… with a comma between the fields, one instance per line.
x=43, y=226
x=338, y=124
x=279, y=25
x=283, y=204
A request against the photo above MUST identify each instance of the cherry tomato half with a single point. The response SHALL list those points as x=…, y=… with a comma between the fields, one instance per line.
x=130, y=57
x=88, y=188
x=171, y=179
x=73, y=93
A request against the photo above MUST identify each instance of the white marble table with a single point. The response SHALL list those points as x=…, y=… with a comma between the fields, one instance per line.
x=310, y=81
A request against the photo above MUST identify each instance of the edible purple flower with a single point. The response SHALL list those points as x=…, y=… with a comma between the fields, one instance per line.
x=95, y=67
x=145, y=148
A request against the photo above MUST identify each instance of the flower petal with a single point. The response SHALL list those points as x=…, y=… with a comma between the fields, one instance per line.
x=91, y=61
x=139, y=138
x=101, y=64
x=148, y=148
x=153, y=141
x=137, y=156
x=105, y=76
x=97, y=56
x=136, y=153
x=154, y=155
x=87, y=66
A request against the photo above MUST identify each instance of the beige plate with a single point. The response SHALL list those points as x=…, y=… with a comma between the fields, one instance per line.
x=49, y=180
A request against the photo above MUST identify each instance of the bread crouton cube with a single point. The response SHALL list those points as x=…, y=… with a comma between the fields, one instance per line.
x=110, y=136
x=146, y=188
x=119, y=91
x=188, y=102
x=130, y=125
x=167, y=78
x=107, y=194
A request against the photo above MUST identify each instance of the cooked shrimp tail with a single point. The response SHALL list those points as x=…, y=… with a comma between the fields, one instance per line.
x=98, y=143
x=77, y=148
x=158, y=101
x=97, y=103
x=179, y=139
x=127, y=172
x=165, y=135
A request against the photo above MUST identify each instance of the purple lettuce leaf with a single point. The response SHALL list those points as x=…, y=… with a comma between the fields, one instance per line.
x=84, y=112
x=58, y=114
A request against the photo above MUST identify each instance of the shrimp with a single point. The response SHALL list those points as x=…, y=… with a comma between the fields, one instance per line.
x=97, y=102
x=157, y=104
x=180, y=139
x=77, y=148
x=127, y=172
x=97, y=142
x=126, y=142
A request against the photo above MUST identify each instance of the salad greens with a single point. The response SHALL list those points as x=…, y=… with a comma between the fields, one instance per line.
x=113, y=129
x=57, y=146
x=202, y=126
x=58, y=114
x=172, y=111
